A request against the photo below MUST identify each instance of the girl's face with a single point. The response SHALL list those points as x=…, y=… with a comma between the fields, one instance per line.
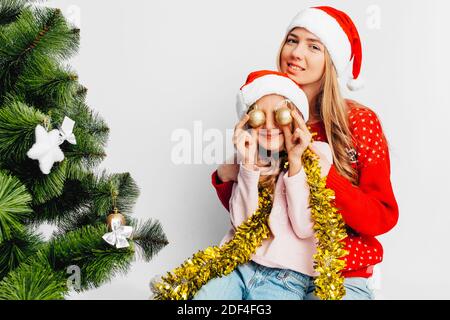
x=270, y=135
x=302, y=57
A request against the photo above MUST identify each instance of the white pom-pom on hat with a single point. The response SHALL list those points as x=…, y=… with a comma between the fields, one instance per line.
x=355, y=84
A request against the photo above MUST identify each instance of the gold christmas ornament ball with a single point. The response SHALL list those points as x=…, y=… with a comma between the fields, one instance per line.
x=114, y=216
x=283, y=116
x=257, y=118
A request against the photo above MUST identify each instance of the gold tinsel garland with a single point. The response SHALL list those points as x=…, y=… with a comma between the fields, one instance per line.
x=183, y=282
x=329, y=230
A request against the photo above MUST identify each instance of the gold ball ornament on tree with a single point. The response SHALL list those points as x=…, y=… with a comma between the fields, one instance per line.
x=283, y=116
x=119, y=232
x=116, y=215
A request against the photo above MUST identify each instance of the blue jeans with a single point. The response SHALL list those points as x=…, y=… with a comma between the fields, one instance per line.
x=252, y=281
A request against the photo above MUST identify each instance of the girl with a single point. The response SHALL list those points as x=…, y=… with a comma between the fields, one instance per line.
x=320, y=43
x=288, y=253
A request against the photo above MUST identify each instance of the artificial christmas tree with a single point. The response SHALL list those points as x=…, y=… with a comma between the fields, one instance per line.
x=50, y=146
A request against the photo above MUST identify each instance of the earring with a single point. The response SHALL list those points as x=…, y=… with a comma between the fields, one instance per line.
x=283, y=115
x=257, y=117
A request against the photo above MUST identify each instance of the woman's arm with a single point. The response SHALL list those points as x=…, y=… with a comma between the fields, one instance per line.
x=369, y=208
x=223, y=189
x=222, y=180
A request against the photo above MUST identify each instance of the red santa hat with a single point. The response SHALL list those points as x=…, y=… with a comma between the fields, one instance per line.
x=266, y=82
x=339, y=35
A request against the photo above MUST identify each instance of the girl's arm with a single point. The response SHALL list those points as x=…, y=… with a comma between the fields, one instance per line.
x=297, y=194
x=244, y=196
x=369, y=208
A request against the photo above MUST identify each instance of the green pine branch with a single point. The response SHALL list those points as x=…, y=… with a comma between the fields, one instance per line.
x=149, y=238
x=85, y=248
x=63, y=209
x=48, y=85
x=45, y=274
x=87, y=201
x=33, y=281
x=17, y=129
x=102, y=187
x=10, y=10
x=14, y=206
x=43, y=187
x=17, y=249
x=38, y=34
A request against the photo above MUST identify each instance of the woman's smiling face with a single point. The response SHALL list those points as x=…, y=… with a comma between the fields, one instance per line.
x=302, y=57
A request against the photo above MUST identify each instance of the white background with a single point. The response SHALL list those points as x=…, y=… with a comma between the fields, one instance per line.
x=153, y=67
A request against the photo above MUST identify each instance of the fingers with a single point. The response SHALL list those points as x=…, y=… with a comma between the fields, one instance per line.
x=246, y=144
x=315, y=150
x=254, y=135
x=250, y=138
x=253, y=146
x=306, y=138
x=287, y=137
x=242, y=138
x=298, y=121
x=325, y=158
x=240, y=146
x=242, y=122
x=296, y=136
x=301, y=137
x=294, y=122
x=240, y=127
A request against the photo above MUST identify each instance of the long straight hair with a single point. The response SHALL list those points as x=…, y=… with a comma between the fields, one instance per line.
x=333, y=111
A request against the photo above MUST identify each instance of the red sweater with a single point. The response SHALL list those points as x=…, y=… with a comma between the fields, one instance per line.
x=370, y=209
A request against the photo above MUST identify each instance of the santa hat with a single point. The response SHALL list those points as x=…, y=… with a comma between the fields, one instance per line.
x=266, y=82
x=339, y=35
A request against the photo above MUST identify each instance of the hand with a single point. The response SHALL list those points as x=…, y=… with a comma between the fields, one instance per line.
x=245, y=143
x=324, y=163
x=296, y=142
x=228, y=172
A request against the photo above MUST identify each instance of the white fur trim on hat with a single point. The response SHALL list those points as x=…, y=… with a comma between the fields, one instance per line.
x=355, y=85
x=271, y=84
x=329, y=32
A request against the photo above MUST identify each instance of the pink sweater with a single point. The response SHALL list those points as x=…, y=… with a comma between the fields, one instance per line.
x=291, y=244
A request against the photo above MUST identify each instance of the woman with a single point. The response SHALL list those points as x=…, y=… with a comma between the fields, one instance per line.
x=321, y=42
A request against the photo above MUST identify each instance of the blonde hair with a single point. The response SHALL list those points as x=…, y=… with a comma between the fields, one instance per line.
x=334, y=114
x=269, y=181
x=333, y=111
